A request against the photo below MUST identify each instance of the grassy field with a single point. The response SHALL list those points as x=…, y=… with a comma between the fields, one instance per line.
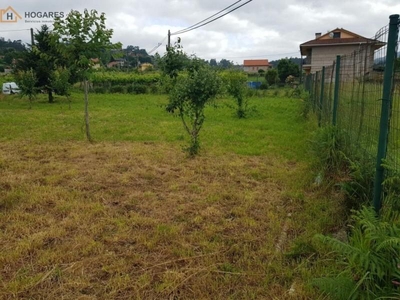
x=132, y=217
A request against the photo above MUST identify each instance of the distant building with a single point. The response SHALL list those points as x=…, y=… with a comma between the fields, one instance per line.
x=95, y=63
x=145, y=66
x=253, y=65
x=322, y=50
x=116, y=63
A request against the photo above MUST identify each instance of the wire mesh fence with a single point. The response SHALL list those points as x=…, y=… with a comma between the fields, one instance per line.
x=350, y=94
x=393, y=153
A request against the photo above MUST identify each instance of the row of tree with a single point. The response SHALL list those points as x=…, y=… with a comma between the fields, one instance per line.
x=64, y=56
x=285, y=69
x=195, y=83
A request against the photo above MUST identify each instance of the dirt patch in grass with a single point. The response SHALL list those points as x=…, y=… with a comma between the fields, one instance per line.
x=138, y=221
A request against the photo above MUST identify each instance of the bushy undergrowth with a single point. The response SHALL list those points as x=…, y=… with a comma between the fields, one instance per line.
x=117, y=89
x=327, y=145
x=370, y=259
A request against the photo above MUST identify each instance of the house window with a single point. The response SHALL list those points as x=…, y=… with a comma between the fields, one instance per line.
x=336, y=35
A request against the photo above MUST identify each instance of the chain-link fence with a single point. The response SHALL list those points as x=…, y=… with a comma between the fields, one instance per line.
x=360, y=94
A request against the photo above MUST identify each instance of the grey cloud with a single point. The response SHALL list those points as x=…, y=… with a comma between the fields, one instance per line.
x=261, y=28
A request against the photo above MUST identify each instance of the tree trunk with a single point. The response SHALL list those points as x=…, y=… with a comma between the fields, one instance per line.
x=50, y=94
x=86, y=87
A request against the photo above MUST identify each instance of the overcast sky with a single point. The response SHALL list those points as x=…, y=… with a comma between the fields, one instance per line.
x=261, y=29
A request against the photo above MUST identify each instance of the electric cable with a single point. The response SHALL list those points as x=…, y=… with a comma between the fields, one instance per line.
x=208, y=17
x=14, y=30
x=198, y=26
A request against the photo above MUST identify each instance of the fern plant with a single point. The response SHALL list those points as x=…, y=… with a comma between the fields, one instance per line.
x=391, y=185
x=371, y=260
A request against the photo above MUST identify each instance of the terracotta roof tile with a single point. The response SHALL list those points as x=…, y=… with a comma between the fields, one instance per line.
x=319, y=42
x=256, y=62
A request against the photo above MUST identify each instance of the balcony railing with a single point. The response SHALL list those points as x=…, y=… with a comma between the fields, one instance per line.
x=307, y=60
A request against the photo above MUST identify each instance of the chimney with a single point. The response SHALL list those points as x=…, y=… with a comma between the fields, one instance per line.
x=317, y=34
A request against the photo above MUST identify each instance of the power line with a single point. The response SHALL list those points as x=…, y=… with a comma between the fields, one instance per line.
x=14, y=30
x=158, y=46
x=193, y=27
x=208, y=17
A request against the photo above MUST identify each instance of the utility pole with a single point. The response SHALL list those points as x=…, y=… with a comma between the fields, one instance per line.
x=169, y=39
x=32, y=39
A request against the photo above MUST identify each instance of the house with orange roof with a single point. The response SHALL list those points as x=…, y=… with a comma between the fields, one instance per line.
x=323, y=49
x=253, y=65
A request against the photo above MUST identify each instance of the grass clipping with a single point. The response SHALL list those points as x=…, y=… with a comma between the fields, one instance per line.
x=136, y=220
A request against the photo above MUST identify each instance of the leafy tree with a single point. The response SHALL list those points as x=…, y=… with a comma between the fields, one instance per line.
x=9, y=56
x=174, y=61
x=83, y=36
x=42, y=59
x=27, y=82
x=236, y=86
x=16, y=45
x=225, y=64
x=271, y=76
x=189, y=97
x=60, y=83
x=286, y=67
x=213, y=62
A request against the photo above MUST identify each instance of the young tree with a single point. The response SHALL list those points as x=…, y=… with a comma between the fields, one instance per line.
x=271, y=76
x=236, y=86
x=82, y=37
x=27, y=82
x=60, y=83
x=174, y=61
x=261, y=72
x=42, y=59
x=189, y=97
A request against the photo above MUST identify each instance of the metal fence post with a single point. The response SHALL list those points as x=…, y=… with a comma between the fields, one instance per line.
x=386, y=108
x=321, y=99
x=336, y=92
x=308, y=83
x=315, y=94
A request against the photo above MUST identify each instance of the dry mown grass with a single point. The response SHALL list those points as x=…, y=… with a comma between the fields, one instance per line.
x=139, y=221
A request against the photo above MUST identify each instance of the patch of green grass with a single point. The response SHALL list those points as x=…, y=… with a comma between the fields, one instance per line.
x=132, y=216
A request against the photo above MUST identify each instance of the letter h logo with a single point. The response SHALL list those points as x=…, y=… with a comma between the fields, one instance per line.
x=9, y=15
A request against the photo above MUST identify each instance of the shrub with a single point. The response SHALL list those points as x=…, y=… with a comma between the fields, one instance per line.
x=236, y=87
x=290, y=79
x=272, y=76
x=139, y=89
x=117, y=89
x=264, y=86
x=154, y=89
x=327, y=146
x=189, y=97
x=370, y=259
x=100, y=90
